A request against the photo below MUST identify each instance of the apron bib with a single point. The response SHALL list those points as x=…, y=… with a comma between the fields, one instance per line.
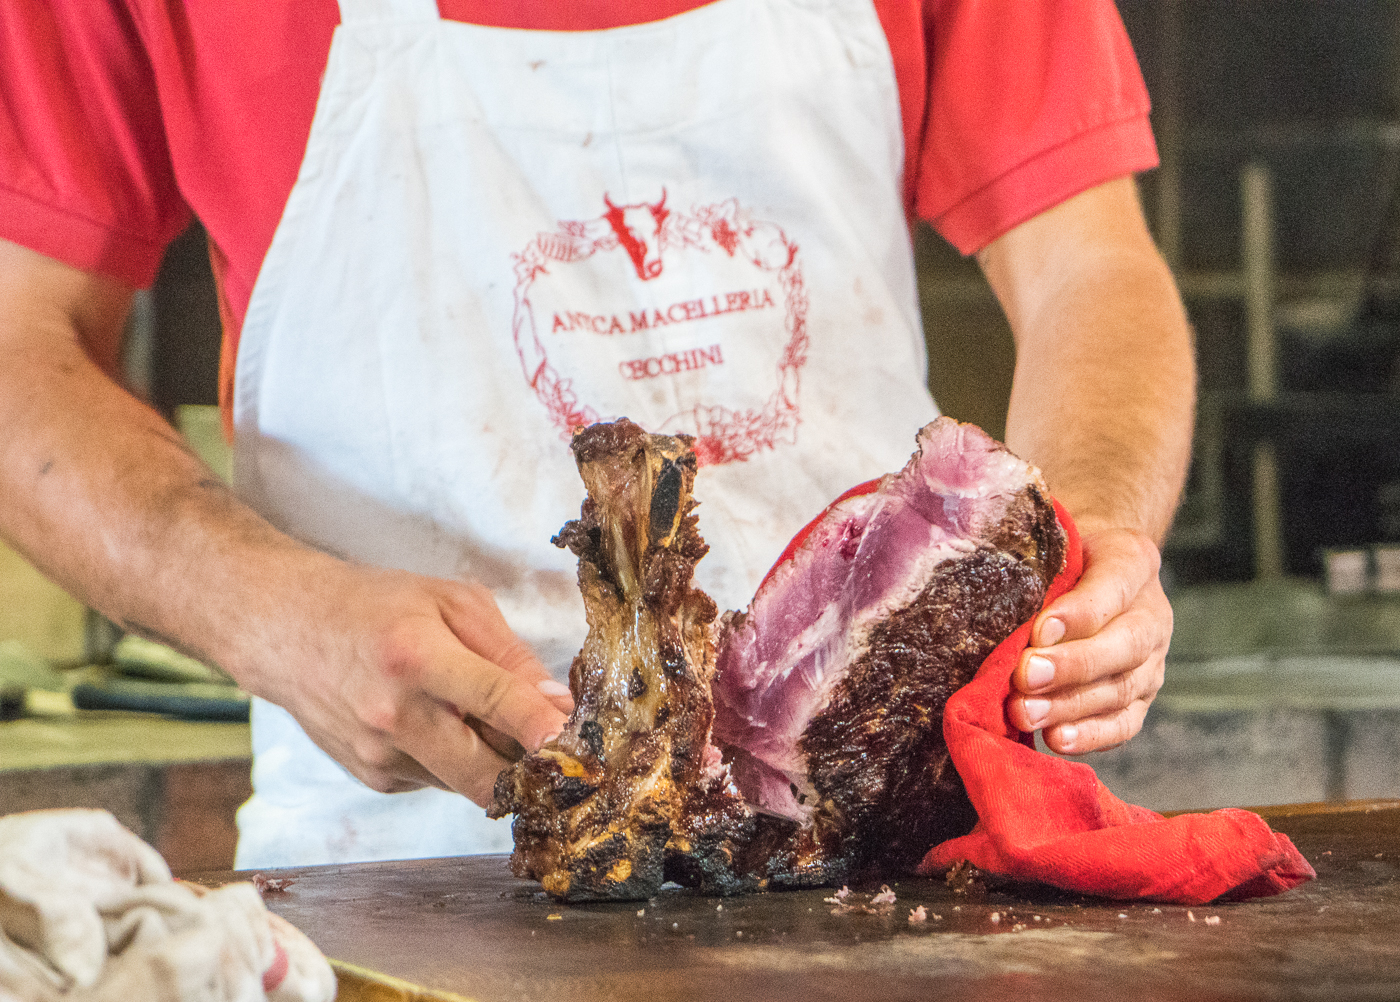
x=499, y=235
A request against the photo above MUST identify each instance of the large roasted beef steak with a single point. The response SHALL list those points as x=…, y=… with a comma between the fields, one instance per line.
x=828, y=759
x=831, y=687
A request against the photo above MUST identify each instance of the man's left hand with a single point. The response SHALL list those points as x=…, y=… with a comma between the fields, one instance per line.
x=1102, y=402
x=1099, y=651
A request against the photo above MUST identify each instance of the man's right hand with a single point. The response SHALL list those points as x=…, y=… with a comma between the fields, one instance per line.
x=381, y=668
x=387, y=675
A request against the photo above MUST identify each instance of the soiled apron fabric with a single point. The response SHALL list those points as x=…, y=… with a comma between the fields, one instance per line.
x=498, y=235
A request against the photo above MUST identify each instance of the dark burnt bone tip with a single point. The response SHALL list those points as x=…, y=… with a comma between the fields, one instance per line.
x=666, y=500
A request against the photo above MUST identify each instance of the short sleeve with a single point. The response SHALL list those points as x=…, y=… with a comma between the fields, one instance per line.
x=1028, y=103
x=85, y=173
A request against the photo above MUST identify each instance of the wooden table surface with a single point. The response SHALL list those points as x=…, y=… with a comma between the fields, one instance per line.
x=465, y=928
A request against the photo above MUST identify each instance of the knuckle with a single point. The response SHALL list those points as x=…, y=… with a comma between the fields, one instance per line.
x=1081, y=611
x=1123, y=727
x=1079, y=704
x=494, y=694
x=1124, y=690
x=1147, y=552
x=1143, y=636
x=1161, y=610
x=399, y=651
x=1119, y=728
x=1073, y=664
x=380, y=716
x=474, y=592
x=514, y=654
x=1156, y=676
x=465, y=598
x=1111, y=730
x=374, y=757
x=1125, y=591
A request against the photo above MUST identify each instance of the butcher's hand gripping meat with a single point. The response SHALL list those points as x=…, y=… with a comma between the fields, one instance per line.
x=632, y=793
x=831, y=687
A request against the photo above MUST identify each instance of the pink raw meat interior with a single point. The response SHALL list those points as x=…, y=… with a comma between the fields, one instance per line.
x=871, y=552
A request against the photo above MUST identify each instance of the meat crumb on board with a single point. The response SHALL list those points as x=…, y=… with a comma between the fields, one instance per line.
x=879, y=904
x=272, y=885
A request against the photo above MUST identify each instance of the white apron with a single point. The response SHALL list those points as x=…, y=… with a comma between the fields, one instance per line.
x=497, y=235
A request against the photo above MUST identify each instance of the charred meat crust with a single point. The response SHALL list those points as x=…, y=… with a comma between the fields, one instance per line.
x=633, y=793
x=1031, y=530
x=876, y=754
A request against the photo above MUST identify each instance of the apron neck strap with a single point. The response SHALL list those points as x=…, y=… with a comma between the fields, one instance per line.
x=353, y=11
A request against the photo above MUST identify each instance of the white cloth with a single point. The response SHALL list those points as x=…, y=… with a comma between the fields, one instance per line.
x=496, y=235
x=88, y=911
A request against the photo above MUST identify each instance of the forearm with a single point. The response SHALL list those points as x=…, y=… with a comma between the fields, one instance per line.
x=103, y=495
x=387, y=671
x=1103, y=399
x=1103, y=396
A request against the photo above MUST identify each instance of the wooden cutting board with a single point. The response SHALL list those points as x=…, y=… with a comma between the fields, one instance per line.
x=465, y=928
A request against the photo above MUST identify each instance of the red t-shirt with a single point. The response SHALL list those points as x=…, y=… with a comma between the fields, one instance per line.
x=120, y=117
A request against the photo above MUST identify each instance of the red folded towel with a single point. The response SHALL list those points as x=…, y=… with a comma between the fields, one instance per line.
x=1051, y=820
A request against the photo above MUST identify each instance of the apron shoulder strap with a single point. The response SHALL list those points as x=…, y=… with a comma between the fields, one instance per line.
x=356, y=11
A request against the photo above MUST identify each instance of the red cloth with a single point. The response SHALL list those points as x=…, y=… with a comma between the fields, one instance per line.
x=1050, y=820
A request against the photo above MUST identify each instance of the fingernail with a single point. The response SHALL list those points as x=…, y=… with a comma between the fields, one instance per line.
x=1040, y=671
x=1036, y=711
x=1068, y=735
x=548, y=739
x=1051, y=633
x=552, y=688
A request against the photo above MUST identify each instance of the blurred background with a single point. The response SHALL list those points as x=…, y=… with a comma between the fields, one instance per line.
x=1277, y=204
x=1276, y=207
